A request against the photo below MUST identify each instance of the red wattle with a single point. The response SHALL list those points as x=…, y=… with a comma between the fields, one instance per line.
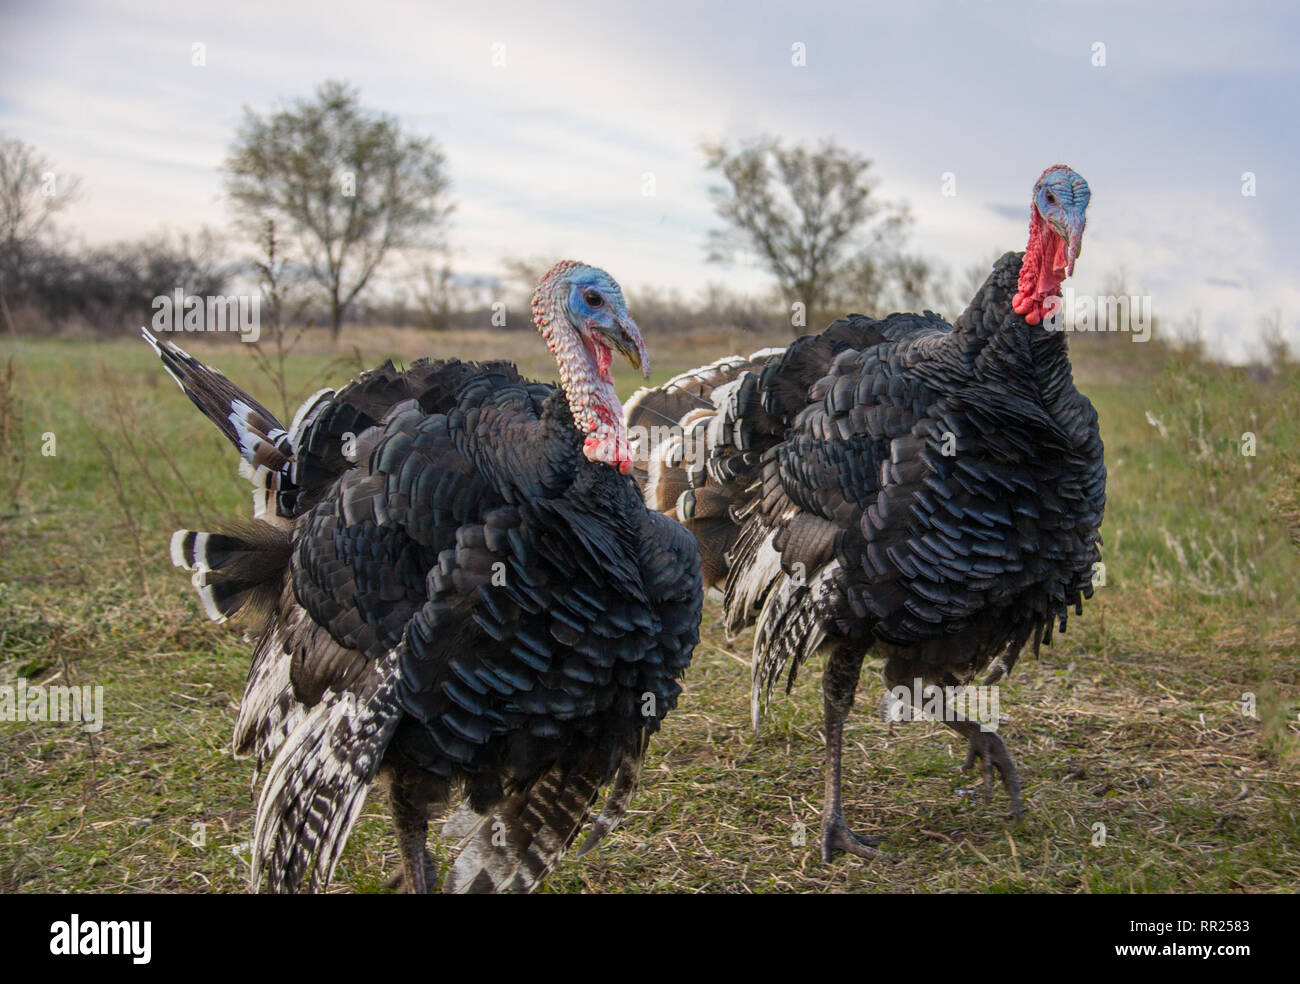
x=604, y=357
x=1041, y=271
x=596, y=449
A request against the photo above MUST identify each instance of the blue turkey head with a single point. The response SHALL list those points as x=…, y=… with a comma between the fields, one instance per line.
x=1061, y=197
x=599, y=313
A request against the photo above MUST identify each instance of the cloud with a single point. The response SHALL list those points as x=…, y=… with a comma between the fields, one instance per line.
x=550, y=149
x=1016, y=212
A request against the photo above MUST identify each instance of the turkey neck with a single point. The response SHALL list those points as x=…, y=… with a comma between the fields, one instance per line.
x=597, y=412
x=1010, y=350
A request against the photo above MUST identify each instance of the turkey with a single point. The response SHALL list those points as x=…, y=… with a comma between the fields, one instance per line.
x=465, y=596
x=927, y=493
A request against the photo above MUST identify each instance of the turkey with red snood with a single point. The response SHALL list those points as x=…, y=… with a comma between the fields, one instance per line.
x=929, y=494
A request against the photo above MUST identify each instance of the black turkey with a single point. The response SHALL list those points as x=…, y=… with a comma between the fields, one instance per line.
x=928, y=493
x=466, y=595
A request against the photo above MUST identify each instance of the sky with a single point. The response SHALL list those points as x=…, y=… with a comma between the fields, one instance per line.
x=551, y=114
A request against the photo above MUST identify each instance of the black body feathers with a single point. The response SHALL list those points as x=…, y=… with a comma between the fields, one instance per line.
x=932, y=491
x=462, y=601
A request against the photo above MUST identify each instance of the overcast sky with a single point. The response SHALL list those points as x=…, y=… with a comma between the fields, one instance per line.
x=547, y=152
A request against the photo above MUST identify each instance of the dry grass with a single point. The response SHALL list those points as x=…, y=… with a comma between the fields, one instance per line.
x=1134, y=720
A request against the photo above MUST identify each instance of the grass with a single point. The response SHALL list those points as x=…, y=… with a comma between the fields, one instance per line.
x=1133, y=720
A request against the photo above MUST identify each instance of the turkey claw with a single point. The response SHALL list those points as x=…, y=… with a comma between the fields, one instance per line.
x=836, y=836
x=989, y=747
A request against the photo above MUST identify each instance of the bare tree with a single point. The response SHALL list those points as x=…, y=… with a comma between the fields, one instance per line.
x=435, y=294
x=973, y=278
x=520, y=280
x=346, y=182
x=523, y=272
x=801, y=211
x=31, y=192
x=879, y=281
x=281, y=305
x=113, y=287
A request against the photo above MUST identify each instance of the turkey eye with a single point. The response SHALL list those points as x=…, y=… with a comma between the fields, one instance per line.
x=1051, y=199
x=594, y=299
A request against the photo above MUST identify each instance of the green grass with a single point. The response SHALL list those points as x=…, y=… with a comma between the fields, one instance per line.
x=1132, y=720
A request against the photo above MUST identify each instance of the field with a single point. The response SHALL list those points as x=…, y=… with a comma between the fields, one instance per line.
x=1167, y=713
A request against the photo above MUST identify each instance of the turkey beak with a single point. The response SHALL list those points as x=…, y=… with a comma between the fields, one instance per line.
x=1073, y=241
x=626, y=338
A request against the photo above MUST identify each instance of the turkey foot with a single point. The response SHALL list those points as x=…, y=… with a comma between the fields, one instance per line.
x=836, y=836
x=990, y=747
x=397, y=880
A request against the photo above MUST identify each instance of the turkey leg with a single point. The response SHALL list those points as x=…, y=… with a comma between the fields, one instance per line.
x=418, y=874
x=990, y=747
x=839, y=684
